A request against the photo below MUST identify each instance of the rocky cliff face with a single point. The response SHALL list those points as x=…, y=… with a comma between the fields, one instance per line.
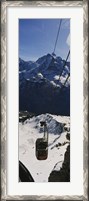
x=64, y=173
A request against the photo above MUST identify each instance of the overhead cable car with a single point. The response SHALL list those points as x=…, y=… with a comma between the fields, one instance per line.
x=42, y=143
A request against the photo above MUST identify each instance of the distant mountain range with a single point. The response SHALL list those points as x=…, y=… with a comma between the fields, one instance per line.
x=41, y=89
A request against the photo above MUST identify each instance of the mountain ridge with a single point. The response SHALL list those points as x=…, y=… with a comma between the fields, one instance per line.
x=43, y=88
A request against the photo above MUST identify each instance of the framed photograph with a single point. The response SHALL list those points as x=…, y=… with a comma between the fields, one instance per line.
x=44, y=100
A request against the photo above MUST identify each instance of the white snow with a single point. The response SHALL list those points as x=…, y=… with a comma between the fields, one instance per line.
x=28, y=134
x=27, y=79
x=62, y=119
x=62, y=79
x=40, y=75
x=56, y=77
x=53, y=83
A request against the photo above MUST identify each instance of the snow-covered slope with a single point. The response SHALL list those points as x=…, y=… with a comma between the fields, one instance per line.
x=29, y=131
x=41, y=90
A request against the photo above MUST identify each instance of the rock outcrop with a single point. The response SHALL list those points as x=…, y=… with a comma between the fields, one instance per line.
x=64, y=174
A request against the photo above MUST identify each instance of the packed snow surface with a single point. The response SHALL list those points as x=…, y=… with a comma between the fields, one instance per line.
x=29, y=131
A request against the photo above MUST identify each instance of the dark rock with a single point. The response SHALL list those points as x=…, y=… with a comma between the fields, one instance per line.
x=68, y=136
x=64, y=174
x=24, y=174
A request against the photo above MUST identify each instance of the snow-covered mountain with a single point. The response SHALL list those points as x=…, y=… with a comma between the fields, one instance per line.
x=25, y=65
x=41, y=88
x=58, y=148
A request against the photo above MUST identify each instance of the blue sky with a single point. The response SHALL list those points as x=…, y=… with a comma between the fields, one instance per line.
x=37, y=38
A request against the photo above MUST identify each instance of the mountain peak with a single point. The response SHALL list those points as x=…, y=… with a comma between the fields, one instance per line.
x=53, y=54
x=20, y=60
x=49, y=55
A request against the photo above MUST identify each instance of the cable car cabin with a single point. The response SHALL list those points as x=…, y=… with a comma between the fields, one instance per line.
x=42, y=144
x=41, y=149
